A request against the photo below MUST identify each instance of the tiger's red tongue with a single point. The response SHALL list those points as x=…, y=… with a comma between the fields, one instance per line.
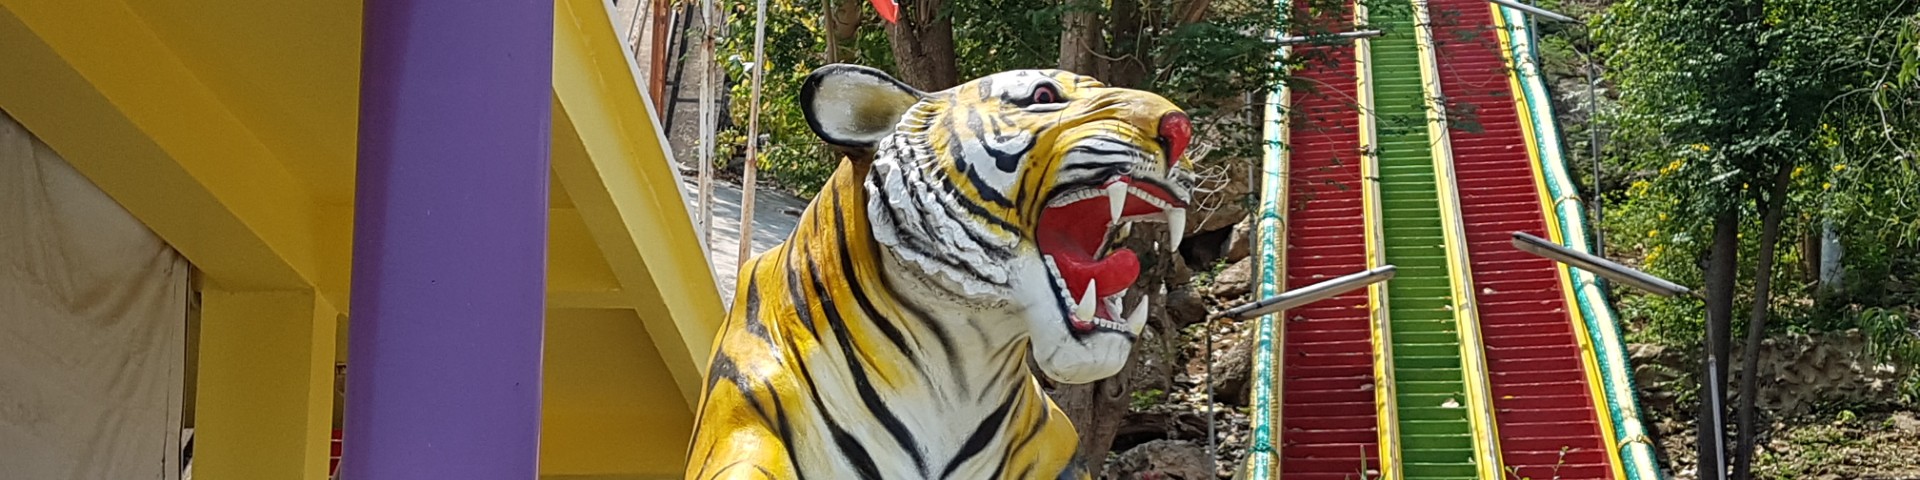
x=1072, y=234
x=1113, y=274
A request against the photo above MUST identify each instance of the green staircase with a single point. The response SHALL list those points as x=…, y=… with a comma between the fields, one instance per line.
x=1436, y=439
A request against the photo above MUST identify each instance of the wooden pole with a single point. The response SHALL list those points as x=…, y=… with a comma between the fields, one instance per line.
x=706, y=124
x=657, y=74
x=747, y=185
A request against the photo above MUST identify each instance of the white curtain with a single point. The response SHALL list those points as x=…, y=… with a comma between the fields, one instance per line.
x=93, y=312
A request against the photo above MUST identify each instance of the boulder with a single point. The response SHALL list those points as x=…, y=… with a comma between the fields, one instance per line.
x=1234, y=367
x=1235, y=281
x=1240, y=242
x=1161, y=460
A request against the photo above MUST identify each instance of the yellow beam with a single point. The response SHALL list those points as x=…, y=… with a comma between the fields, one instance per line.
x=577, y=273
x=1473, y=365
x=1386, y=403
x=91, y=79
x=265, y=391
x=611, y=159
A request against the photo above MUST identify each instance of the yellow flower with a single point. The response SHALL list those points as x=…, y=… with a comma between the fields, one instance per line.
x=1826, y=186
x=1674, y=166
x=1653, y=233
x=1663, y=216
x=1839, y=166
x=1797, y=170
x=1701, y=147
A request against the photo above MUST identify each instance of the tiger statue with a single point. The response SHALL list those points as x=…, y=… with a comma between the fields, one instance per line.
x=963, y=231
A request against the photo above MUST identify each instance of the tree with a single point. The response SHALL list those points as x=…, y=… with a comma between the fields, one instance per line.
x=1730, y=102
x=923, y=45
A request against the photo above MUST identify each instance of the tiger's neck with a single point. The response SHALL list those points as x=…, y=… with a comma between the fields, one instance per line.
x=967, y=351
x=943, y=382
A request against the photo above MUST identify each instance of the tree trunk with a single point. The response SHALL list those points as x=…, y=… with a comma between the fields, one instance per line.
x=1132, y=47
x=1190, y=11
x=1096, y=410
x=843, y=29
x=1722, y=271
x=1810, y=256
x=1080, y=38
x=1772, y=208
x=1184, y=12
x=922, y=44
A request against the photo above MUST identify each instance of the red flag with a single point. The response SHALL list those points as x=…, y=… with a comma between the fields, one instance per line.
x=888, y=10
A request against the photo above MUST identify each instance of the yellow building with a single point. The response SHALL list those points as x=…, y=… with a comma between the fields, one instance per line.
x=230, y=129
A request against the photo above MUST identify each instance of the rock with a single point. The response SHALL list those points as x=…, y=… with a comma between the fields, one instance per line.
x=1185, y=306
x=1161, y=460
x=1904, y=422
x=1235, y=281
x=1161, y=424
x=1240, y=242
x=1232, y=369
x=1798, y=371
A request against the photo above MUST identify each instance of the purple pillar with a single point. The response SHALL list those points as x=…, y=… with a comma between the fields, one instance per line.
x=449, y=247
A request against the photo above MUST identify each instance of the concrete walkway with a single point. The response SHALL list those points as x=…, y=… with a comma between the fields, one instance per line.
x=774, y=215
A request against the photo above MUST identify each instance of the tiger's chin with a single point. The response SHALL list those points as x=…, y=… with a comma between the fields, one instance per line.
x=1068, y=348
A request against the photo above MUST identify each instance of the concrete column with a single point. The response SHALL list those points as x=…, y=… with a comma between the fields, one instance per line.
x=443, y=373
x=264, y=407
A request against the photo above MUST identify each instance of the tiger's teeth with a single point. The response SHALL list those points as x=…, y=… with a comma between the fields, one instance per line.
x=1177, y=225
x=1084, y=308
x=1137, y=319
x=1116, y=199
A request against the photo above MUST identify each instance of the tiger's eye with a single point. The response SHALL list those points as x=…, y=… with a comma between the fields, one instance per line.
x=1044, y=94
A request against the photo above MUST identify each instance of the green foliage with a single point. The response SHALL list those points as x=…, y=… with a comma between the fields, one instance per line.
x=792, y=158
x=1212, y=68
x=1714, y=98
x=993, y=36
x=1144, y=399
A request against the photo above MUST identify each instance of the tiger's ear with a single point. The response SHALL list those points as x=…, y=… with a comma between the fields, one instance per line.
x=854, y=106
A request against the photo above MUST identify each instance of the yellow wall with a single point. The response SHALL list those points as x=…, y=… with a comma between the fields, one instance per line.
x=265, y=385
x=604, y=402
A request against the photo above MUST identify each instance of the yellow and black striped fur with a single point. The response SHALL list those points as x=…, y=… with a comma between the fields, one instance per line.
x=889, y=337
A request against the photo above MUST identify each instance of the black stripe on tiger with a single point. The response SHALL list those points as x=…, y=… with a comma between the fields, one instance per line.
x=978, y=212
x=851, y=276
x=868, y=396
x=796, y=293
x=755, y=325
x=849, y=446
x=989, y=428
x=786, y=431
x=939, y=331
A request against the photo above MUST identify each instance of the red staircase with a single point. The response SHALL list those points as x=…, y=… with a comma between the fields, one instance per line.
x=333, y=459
x=1541, y=399
x=1328, y=423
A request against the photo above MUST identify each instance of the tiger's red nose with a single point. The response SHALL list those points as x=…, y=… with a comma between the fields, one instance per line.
x=1175, y=131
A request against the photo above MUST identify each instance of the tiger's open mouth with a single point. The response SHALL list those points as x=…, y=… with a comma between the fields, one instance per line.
x=1079, y=235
